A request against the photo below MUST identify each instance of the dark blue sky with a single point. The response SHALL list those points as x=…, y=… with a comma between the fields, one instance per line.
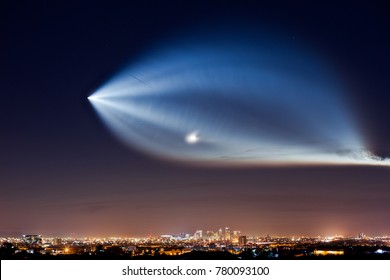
x=62, y=172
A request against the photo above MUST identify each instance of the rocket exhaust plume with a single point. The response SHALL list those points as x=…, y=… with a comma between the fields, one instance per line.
x=234, y=101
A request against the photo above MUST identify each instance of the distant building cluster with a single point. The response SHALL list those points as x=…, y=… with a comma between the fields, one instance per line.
x=226, y=235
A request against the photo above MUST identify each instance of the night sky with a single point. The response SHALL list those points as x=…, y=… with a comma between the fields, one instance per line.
x=62, y=171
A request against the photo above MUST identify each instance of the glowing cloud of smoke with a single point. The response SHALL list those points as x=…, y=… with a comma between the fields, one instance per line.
x=258, y=101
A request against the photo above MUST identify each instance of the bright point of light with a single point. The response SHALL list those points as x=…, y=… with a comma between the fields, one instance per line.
x=92, y=97
x=192, y=138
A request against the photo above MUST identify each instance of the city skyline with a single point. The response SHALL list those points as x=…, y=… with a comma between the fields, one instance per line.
x=222, y=244
x=219, y=233
x=268, y=118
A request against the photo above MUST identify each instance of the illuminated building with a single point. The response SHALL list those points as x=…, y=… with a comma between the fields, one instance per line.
x=32, y=239
x=57, y=241
x=220, y=234
x=330, y=252
x=235, y=236
x=242, y=240
x=227, y=234
x=198, y=234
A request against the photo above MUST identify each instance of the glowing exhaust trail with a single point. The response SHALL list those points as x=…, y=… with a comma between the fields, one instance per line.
x=251, y=102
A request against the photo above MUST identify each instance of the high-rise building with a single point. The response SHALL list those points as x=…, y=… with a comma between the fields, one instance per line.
x=220, y=234
x=198, y=234
x=242, y=240
x=235, y=235
x=227, y=234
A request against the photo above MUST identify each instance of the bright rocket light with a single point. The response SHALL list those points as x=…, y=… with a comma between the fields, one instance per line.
x=192, y=138
x=254, y=102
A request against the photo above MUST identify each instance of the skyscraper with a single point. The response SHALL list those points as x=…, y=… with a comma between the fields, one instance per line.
x=227, y=234
x=242, y=241
x=198, y=234
x=220, y=234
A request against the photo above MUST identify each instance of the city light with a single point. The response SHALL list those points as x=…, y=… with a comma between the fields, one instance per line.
x=232, y=243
